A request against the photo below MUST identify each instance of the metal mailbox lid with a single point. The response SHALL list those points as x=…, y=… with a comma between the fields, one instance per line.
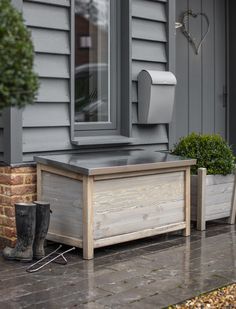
x=158, y=77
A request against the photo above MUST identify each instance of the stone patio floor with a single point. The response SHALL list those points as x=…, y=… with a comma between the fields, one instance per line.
x=149, y=273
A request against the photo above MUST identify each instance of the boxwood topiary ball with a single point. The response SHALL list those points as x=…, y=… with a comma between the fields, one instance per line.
x=211, y=151
x=18, y=82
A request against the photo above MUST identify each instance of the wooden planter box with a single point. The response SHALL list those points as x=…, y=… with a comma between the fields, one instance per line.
x=95, y=207
x=212, y=197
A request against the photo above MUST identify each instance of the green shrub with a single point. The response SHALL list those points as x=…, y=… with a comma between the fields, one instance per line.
x=211, y=152
x=18, y=82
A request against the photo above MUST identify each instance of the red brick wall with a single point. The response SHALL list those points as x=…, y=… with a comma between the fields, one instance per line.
x=17, y=184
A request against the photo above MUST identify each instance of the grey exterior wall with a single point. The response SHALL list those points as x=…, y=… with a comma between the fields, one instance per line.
x=149, y=51
x=45, y=126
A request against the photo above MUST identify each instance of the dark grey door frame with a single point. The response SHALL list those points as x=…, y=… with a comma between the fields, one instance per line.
x=171, y=60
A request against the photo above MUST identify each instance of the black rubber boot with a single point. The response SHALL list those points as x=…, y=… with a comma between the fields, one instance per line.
x=25, y=228
x=42, y=224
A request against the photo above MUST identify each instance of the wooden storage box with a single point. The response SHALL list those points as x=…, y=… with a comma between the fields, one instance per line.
x=99, y=202
x=212, y=197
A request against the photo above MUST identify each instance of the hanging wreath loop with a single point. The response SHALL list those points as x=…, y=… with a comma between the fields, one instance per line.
x=185, y=29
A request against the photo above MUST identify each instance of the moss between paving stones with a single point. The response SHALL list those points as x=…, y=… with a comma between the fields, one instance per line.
x=223, y=298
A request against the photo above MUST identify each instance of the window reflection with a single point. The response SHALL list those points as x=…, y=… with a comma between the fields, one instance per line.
x=92, y=61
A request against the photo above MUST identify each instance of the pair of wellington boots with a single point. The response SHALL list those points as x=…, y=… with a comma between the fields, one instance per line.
x=32, y=222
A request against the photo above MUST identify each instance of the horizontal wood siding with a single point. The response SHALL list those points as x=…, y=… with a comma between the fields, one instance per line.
x=46, y=124
x=149, y=52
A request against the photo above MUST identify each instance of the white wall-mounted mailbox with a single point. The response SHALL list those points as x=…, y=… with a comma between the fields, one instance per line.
x=156, y=96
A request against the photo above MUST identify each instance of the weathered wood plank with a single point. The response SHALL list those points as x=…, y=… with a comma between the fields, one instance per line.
x=187, y=210
x=217, y=211
x=88, y=218
x=153, y=199
x=139, y=234
x=66, y=205
x=233, y=208
x=219, y=179
x=201, y=206
x=135, y=219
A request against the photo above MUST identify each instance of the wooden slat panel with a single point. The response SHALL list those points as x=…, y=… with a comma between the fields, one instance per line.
x=66, y=205
x=218, y=211
x=56, y=115
x=49, y=65
x=53, y=90
x=149, y=30
x=149, y=10
x=52, y=2
x=46, y=16
x=46, y=139
x=149, y=51
x=138, y=66
x=51, y=41
x=212, y=180
x=116, y=199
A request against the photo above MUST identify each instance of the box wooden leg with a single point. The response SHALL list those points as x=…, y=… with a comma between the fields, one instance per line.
x=187, y=230
x=201, y=211
x=88, y=245
x=233, y=207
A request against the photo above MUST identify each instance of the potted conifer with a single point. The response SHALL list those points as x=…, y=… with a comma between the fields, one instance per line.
x=213, y=178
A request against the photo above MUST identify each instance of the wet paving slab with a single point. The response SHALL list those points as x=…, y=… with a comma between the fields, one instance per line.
x=149, y=273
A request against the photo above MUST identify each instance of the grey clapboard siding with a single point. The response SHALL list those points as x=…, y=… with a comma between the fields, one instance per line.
x=52, y=2
x=34, y=115
x=46, y=124
x=149, y=10
x=46, y=16
x=50, y=41
x=46, y=139
x=46, y=65
x=149, y=52
x=53, y=90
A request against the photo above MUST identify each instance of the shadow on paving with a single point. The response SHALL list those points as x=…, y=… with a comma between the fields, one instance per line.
x=149, y=273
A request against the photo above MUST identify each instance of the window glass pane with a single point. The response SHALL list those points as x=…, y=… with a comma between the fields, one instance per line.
x=92, y=61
